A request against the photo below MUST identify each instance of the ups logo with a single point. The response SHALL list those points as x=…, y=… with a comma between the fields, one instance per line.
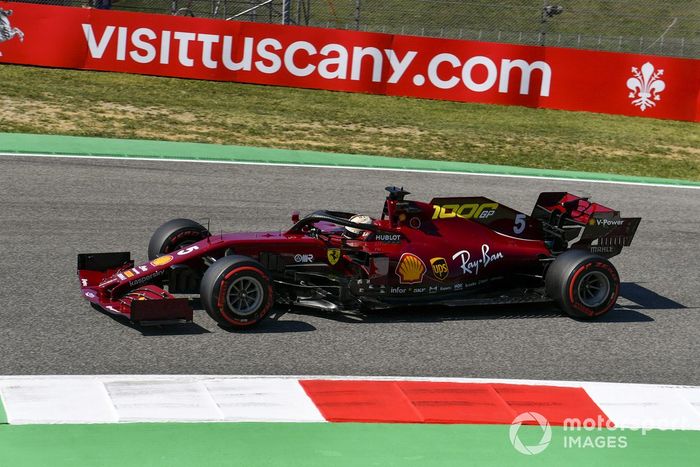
x=440, y=269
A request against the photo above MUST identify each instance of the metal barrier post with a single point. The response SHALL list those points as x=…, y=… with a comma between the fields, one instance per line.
x=286, y=10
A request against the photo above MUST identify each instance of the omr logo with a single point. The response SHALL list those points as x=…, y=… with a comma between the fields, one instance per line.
x=527, y=449
x=304, y=258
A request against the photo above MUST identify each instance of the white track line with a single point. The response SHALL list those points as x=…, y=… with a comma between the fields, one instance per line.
x=344, y=167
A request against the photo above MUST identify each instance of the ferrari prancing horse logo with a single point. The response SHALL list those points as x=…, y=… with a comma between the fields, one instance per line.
x=333, y=256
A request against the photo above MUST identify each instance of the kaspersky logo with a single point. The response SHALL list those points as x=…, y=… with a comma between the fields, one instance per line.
x=529, y=418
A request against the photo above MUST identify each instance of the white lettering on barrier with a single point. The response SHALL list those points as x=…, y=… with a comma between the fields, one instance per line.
x=340, y=62
x=526, y=70
x=399, y=66
x=183, y=50
x=433, y=68
x=121, y=43
x=149, y=52
x=207, y=41
x=359, y=53
x=247, y=58
x=442, y=70
x=491, y=74
x=165, y=48
x=289, y=58
x=272, y=58
x=97, y=49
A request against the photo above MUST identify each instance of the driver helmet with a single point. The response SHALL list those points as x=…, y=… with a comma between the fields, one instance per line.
x=352, y=232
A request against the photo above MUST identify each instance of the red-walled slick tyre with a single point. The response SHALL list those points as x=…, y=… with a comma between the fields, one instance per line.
x=582, y=284
x=236, y=292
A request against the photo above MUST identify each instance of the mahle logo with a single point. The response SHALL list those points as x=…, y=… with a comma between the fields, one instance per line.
x=530, y=449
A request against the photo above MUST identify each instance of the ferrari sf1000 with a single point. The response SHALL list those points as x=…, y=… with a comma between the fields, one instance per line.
x=451, y=251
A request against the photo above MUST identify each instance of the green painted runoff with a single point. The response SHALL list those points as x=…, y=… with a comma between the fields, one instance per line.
x=86, y=146
x=333, y=444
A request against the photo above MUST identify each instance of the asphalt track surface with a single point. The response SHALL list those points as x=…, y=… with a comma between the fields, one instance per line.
x=54, y=208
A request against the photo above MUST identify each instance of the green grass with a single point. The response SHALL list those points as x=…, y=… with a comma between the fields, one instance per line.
x=627, y=25
x=80, y=103
x=621, y=17
x=593, y=17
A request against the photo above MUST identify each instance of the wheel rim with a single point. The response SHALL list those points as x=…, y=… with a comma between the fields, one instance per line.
x=594, y=288
x=244, y=296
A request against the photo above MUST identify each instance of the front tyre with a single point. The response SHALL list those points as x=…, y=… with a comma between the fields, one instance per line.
x=236, y=292
x=175, y=235
x=582, y=284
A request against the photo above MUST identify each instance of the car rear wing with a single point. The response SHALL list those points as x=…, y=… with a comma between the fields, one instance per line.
x=105, y=282
x=573, y=222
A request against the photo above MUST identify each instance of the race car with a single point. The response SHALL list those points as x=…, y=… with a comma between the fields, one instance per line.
x=450, y=251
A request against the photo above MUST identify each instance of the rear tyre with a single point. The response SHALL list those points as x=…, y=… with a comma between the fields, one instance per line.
x=236, y=291
x=583, y=285
x=175, y=235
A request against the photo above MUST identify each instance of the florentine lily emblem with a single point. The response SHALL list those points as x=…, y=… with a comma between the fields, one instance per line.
x=646, y=86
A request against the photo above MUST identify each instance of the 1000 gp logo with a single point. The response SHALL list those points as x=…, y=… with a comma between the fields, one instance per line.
x=465, y=211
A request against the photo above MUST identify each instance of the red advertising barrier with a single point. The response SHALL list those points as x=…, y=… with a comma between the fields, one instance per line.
x=467, y=71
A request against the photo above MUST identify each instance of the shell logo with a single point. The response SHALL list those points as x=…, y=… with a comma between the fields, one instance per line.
x=162, y=260
x=410, y=269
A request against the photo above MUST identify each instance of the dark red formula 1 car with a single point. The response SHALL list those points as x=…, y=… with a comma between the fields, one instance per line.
x=450, y=251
